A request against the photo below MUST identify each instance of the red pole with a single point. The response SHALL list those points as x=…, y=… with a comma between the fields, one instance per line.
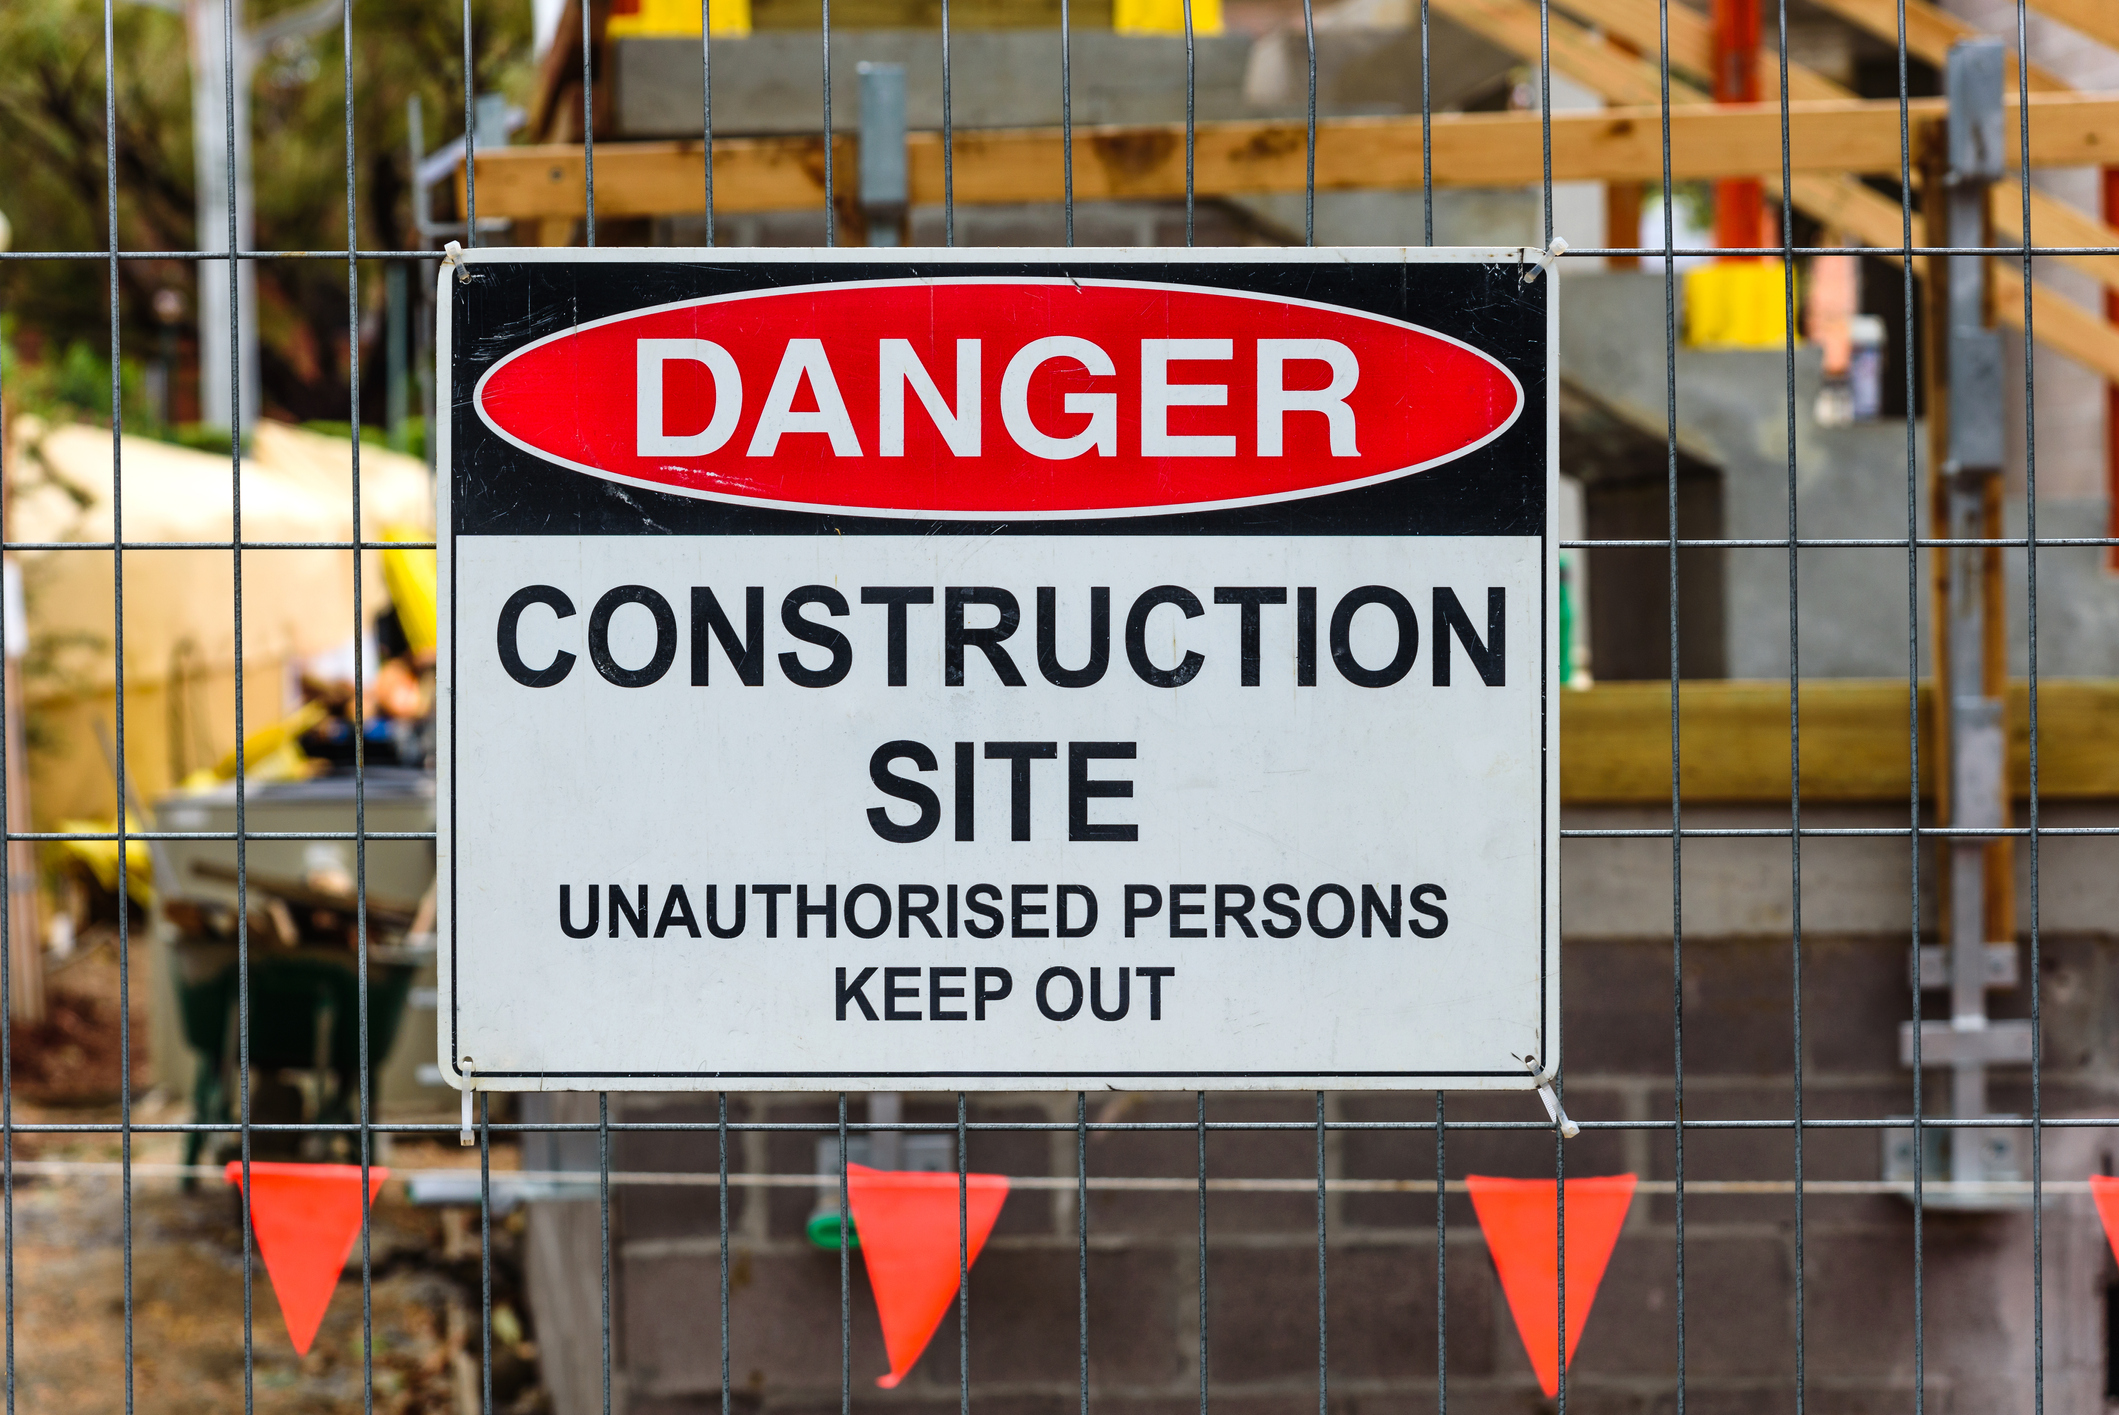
x=1739, y=202
x=2111, y=391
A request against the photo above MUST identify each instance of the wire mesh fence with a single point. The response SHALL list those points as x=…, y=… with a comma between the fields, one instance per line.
x=1672, y=1122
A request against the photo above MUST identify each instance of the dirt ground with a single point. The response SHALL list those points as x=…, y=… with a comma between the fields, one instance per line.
x=187, y=1329
x=71, y=1058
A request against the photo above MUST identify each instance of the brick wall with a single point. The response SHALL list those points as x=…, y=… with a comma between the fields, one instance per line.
x=1741, y=1256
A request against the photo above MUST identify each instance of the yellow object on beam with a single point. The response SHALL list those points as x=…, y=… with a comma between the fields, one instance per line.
x=1165, y=16
x=1737, y=304
x=642, y=19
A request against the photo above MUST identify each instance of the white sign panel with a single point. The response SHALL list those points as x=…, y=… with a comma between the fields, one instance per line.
x=998, y=670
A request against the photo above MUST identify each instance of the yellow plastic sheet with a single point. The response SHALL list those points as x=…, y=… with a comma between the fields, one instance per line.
x=1736, y=304
x=269, y=754
x=1161, y=16
x=410, y=576
x=101, y=856
x=643, y=18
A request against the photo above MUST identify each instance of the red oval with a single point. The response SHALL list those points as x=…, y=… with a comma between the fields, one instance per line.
x=1420, y=398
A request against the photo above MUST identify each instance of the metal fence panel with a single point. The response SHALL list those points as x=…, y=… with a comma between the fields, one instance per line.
x=1800, y=1124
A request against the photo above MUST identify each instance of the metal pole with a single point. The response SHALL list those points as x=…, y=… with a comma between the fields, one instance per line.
x=1971, y=474
x=422, y=313
x=213, y=119
x=884, y=184
x=397, y=356
x=885, y=1147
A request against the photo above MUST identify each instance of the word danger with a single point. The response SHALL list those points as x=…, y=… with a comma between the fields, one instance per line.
x=980, y=623
x=1028, y=911
x=805, y=375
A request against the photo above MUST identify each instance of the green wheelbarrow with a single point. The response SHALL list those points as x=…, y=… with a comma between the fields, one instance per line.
x=304, y=1010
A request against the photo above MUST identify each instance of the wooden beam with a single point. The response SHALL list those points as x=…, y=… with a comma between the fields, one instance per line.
x=2078, y=720
x=781, y=174
x=1851, y=207
x=1615, y=741
x=2095, y=18
x=1615, y=748
x=1638, y=22
x=1469, y=150
x=2055, y=223
x=1930, y=33
x=654, y=178
x=1577, y=52
x=2062, y=325
x=1846, y=205
x=1477, y=149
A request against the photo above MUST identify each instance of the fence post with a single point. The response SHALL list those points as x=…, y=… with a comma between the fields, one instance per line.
x=1970, y=660
x=885, y=189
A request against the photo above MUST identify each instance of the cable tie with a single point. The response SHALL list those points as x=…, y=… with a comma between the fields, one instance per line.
x=456, y=258
x=1550, y=254
x=466, y=1137
x=1553, y=1109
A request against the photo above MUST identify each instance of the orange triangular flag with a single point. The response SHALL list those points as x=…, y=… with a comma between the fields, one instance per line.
x=306, y=1217
x=908, y=1226
x=1521, y=1220
x=2104, y=1191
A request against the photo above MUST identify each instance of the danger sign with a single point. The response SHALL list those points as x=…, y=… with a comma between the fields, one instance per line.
x=998, y=670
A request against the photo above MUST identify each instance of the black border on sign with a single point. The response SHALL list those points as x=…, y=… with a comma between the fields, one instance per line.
x=1256, y=505
x=1545, y=1065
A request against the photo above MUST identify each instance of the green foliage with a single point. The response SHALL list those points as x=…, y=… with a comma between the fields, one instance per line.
x=376, y=434
x=80, y=379
x=73, y=386
x=52, y=93
x=51, y=125
x=201, y=437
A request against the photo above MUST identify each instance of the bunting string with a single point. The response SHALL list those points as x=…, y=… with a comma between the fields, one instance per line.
x=143, y=1169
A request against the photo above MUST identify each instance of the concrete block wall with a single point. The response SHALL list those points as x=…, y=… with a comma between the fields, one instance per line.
x=1856, y=1254
x=771, y=82
x=1732, y=411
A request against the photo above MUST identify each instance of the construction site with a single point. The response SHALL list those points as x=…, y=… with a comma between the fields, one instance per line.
x=1838, y=723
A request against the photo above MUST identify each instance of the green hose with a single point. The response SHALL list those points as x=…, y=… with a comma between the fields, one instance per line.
x=823, y=1231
